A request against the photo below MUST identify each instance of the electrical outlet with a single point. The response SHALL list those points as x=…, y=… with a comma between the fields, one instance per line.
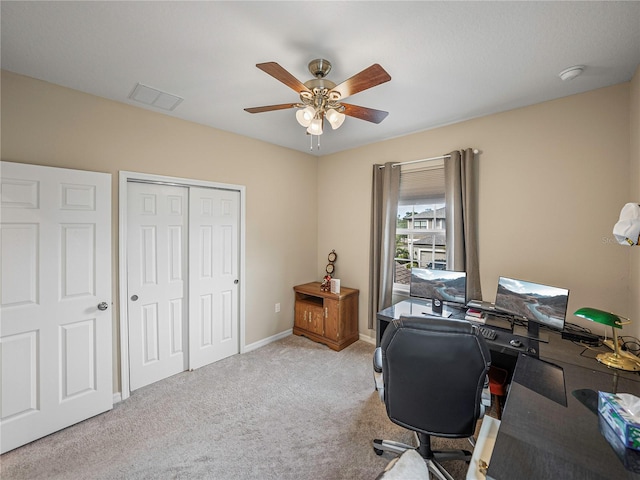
x=277, y=307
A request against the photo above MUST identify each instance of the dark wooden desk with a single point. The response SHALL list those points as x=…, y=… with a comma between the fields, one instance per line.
x=503, y=354
x=548, y=428
x=417, y=307
x=547, y=431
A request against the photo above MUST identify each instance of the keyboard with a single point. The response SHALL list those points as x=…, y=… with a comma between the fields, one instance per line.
x=488, y=333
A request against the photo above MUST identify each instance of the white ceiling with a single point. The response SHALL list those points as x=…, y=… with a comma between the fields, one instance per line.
x=449, y=61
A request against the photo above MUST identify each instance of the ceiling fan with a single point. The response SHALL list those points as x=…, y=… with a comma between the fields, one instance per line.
x=321, y=98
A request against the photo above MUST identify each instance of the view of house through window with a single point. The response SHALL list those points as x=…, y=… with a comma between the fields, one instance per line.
x=420, y=224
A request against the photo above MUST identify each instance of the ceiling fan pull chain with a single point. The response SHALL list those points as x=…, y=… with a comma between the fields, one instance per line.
x=311, y=143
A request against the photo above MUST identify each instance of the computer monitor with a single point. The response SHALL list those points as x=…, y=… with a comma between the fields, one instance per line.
x=537, y=303
x=438, y=286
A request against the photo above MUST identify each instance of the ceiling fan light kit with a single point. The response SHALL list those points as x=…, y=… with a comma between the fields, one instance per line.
x=315, y=127
x=320, y=98
x=305, y=115
x=334, y=118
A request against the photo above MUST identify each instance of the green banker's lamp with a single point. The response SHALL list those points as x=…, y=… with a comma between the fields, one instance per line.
x=610, y=359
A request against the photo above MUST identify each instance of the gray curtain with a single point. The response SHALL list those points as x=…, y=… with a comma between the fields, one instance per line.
x=461, y=219
x=384, y=207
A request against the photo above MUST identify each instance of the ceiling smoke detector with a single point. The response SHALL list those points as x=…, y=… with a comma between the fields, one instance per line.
x=571, y=72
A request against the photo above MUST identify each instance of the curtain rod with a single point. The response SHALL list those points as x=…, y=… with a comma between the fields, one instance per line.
x=441, y=157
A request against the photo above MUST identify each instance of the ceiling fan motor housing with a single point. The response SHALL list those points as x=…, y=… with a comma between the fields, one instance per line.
x=320, y=83
x=320, y=67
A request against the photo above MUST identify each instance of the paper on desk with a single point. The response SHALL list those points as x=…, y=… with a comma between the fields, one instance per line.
x=631, y=404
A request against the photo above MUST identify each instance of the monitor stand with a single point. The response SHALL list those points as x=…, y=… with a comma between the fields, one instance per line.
x=532, y=331
x=436, y=306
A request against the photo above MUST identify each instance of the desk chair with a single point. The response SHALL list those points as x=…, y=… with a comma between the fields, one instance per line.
x=433, y=374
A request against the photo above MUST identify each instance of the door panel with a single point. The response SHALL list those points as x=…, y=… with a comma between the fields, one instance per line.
x=156, y=251
x=77, y=248
x=213, y=274
x=19, y=263
x=332, y=323
x=55, y=344
x=300, y=319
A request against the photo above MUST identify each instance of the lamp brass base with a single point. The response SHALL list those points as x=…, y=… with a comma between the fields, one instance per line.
x=610, y=359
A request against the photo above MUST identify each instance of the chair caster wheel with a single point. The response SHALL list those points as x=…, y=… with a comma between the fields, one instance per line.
x=377, y=450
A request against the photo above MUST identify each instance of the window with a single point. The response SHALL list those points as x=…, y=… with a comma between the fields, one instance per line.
x=420, y=225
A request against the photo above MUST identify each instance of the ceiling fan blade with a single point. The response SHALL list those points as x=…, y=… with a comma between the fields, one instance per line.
x=279, y=73
x=369, y=77
x=270, y=108
x=364, y=113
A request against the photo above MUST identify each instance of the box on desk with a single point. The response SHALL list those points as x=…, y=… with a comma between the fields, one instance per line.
x=630, y=458
x=613, y=408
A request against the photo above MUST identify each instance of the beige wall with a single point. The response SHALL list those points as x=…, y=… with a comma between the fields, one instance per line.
x=48, y=125
x=634, y=196
x=551, y=181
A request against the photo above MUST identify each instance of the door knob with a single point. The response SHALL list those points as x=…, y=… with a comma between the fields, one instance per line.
x=235, y=281
x=103, y=306
x=134, y=298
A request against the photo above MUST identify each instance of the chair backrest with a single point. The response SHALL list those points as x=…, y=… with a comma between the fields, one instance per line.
x=434, y=370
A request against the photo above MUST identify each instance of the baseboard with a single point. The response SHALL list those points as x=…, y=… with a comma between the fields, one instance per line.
x=368, y=339
x=267, y=341
x=117, y=397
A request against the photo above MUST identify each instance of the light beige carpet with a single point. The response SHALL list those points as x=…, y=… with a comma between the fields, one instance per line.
x=293, y=409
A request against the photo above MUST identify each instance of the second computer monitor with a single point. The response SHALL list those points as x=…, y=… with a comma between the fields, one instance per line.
x=535, y=302
x=442, y=285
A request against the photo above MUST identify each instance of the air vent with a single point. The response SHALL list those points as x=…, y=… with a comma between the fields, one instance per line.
x=154, y=97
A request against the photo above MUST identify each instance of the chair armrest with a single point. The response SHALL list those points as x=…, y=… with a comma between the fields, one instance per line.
x=377, y=360
x=377, y=373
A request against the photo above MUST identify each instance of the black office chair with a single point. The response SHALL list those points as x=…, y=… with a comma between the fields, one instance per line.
x=434, y=373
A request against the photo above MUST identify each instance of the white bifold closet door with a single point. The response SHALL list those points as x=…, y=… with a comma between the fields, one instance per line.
x=182, y=278
x=157, y=278
x=55, y=320
x=213, y=274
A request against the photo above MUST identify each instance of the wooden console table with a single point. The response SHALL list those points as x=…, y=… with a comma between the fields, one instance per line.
x=325, y=317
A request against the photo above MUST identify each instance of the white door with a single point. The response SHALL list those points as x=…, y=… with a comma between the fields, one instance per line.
x=156, y=269
x=213, y=275
x=56, y=321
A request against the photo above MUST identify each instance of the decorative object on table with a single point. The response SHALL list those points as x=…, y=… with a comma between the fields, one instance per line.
x=627, y=230
x=330, y=269
x=335, y=286
x=610, y=359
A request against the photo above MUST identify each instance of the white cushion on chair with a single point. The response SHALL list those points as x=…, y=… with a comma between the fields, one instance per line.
x=409, y=465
